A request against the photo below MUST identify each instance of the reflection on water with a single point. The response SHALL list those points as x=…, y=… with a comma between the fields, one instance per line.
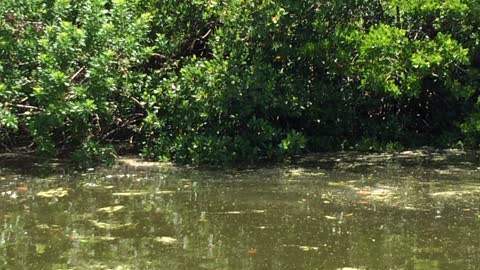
x=387, y=217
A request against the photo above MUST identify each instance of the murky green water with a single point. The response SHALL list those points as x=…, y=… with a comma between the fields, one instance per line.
x=357, y=215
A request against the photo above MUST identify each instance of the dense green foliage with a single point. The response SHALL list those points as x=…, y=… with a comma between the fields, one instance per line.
x=224, y=81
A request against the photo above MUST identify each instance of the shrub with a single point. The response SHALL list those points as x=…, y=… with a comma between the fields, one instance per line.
x=227, y=81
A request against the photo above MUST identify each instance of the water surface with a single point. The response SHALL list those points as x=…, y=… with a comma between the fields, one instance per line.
x=337, y=212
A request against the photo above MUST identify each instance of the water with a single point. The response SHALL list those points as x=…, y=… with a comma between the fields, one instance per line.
x=338, y=213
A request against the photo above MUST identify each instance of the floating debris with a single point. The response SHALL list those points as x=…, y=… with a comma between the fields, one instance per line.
x=308, y=248
x=303, y=172
x=42, y=226
x=304, y=248
x=91, y=239
x=111, y=209
x=53, y=193
x=166, y=240
x=382, y=194
x=443, y=172
x=105, y=238
x=141, y=193
x=131, y=193
x=341, y=184
x=363, y=192
x=449, y=194
x=242, y=212
x=295, y=172
x=95, y=186
x=46, y=227
x=138, y=163
x=111, y=226
x=233, y=212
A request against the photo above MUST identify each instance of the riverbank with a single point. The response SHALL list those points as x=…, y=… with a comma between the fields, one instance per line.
x=444, y=160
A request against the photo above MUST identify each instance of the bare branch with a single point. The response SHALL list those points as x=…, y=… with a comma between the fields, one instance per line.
x=20, y=106
x=77, y=73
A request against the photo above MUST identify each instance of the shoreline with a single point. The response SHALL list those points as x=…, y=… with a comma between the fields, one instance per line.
x=340, y=160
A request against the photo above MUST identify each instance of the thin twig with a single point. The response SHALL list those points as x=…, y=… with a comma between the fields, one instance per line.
x=138, y=102
x=206, y=35
x=77, y=73
x=28, y=107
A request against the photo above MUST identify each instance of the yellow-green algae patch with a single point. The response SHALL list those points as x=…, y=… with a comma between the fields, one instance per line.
x=53, y=193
